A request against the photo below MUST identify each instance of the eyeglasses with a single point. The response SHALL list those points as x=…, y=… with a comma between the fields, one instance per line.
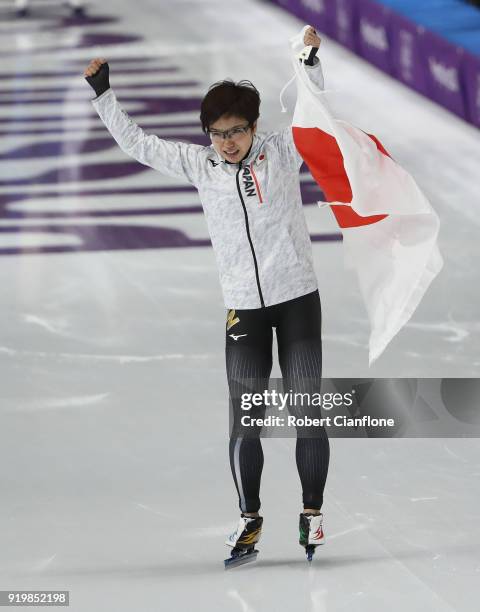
x=233, y=134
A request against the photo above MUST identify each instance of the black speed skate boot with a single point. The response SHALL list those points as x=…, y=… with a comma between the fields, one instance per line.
x=243, y=540
x=311, y=533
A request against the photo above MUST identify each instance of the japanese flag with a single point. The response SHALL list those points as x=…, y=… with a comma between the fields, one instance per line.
x=389, y=228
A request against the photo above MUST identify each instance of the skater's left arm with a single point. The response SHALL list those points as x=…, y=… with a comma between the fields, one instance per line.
x=315, y=74
x=284, y=138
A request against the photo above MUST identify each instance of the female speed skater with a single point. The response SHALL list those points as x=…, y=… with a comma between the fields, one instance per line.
x=248, y=183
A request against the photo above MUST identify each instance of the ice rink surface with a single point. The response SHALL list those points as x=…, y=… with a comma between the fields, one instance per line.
x=114, y=474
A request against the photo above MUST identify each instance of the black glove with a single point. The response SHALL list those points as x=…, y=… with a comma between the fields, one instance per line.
x=310, y=61
x=99, y=81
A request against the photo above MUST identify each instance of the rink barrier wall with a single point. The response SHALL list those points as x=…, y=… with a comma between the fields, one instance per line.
x=432, y=46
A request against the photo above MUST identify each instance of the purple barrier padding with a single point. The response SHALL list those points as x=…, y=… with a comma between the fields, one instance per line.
x=318, y=13
x=443, y=71
x=344, y=23
x=471, y=72
x=374, y=33
x=430, y=64
x=406, y=55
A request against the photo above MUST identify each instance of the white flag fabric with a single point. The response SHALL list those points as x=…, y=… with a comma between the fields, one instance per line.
x=389, y=228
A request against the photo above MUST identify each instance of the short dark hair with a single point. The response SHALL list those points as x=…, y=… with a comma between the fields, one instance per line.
x=231, y=99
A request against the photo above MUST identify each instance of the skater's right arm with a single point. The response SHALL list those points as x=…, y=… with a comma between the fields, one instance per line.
x=175, y=159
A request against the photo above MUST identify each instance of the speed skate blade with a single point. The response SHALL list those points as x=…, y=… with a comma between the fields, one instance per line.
x=232, y=562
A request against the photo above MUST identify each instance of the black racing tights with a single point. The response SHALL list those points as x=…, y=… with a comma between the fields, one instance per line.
x=249, y=357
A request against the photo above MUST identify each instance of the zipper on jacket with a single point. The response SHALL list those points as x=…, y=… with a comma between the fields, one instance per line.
x=249, y=237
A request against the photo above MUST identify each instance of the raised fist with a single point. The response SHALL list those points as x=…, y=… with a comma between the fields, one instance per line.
x=311, y=38
x=97, y=75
